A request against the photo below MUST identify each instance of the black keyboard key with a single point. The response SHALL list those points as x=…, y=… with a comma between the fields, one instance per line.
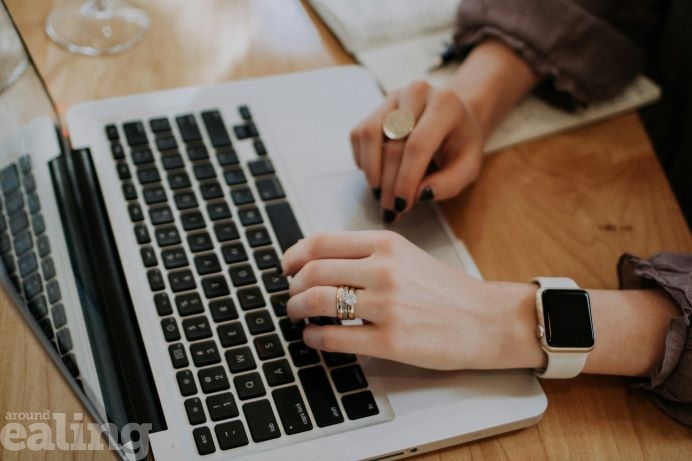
x=222, y=406
x=216, y=128
x=227, y=156
x=9, y=179
x=215, y=286
x=261, y=420
x=167, y=142
x=142, y=155
x=38, y=224
x=47, y=327
x=223, y=309
x=129, y=191
x=284, y=224
x=200, y=241
x=197, y=152
x=197, y=328
x=148, y=175
x=204, y=170
x=33, y=203
x=250, y=216
x=112, y=132
x=207, y=264
x=27, y=264
x=186, y=383
x=189, y=304
x=266, y=258
x=13, y=202
x=142, y=234
x=225, y=231
x=249, y=386
x=213, y=379
x=195, y=411
x=123, y=171
x=39, y=308
x=22, y=242
x=242, y=275
x=234, y=252
x=135, y=133
x=148, y=256
x=260, y=148
x=185, y=200
x=268, y=347
x=179, y=180
x=18, y=222
x=218, y=210
x=29, y=183
x=32, y=285
x=360, y=405
x=241, y=131
x=159, y=125
x=261, y=167
x=211, y=190
x=192, y=220
x=70, y=362
x=203, y=441
x=242, y=196
x=320, y=396
x=334, y=359
x=154, y=194
x=291, y=331
x=350, y=378
x=279, y=304
x=302, y=355
x=270, y=189
x=250, y=298
x=53, y=292
x=167, y=236
x=182, y=280
x=274, y=282
x=163, y=304
x=234, y=176
x=259, y=322
x=205, y=353
x=58, y=314
x=160, y=215
x=117, y=151
x=258, y=236
x=244, y=112
x=172, y=160
x=178, y=355
x=231, y=334
x=189, y=130
x=231, y=435
x=170, y=329
x=292, y=411
x=240, y=359
x=174, y=258
x=278, y=372
x=64, y=341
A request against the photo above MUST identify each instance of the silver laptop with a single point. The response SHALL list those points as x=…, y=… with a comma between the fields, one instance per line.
x=143, y=251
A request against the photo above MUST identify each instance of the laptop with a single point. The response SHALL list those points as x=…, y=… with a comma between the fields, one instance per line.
x=143, y=250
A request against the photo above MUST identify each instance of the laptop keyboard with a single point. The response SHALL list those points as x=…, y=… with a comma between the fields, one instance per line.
x=211, y=229
x=26, y=253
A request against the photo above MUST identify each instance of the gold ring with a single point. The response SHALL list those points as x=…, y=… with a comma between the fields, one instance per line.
x=398, y=124
x=346, y=300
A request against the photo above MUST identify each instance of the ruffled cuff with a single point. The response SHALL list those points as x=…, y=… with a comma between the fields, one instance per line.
x=582, y=55
x=670, y=384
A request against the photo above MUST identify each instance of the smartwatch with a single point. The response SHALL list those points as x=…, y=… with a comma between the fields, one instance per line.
x=565, y=328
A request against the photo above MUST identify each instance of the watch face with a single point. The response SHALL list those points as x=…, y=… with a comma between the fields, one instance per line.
x=567, y=317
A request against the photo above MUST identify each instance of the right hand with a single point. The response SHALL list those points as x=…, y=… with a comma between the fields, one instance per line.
x=446, y=133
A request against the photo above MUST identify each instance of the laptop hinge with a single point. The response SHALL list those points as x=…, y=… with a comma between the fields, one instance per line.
x=121, y=359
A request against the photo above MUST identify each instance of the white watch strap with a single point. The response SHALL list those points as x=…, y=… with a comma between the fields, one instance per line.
x=560, y=364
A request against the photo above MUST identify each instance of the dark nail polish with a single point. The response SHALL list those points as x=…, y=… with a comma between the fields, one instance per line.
x=388, y=216
x=399, y=204
x=377, y=193
x=426, y=194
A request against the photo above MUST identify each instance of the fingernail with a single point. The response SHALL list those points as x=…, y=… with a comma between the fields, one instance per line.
x=388, y=216
x=377, y=192
x=399, y=204
x=426, y=194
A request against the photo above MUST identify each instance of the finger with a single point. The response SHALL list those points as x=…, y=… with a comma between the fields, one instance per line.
x=336, y=245
x=321, y=302
x=370, y=137
x=353, y=339
x=391, y=159
x=331, y=272
x=452, y=178
x=427, y=137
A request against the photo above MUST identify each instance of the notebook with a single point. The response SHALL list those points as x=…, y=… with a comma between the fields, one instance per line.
x=143, y=253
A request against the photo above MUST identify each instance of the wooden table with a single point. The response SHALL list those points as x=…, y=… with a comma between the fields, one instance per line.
x=565, y=205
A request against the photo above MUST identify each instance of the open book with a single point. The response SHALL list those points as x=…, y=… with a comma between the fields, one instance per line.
x=399, y=40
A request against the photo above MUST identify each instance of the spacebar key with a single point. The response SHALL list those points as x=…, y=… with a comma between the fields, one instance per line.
x=320, y=396
x=284, y=223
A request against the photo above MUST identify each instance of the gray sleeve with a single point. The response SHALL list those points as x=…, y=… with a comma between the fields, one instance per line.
x=570, y=43
x=670, y=384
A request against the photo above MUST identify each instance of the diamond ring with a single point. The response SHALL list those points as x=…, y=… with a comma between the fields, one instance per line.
x=346, y=300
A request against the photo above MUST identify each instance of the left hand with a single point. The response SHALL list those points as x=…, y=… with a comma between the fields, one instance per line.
x=415, y=309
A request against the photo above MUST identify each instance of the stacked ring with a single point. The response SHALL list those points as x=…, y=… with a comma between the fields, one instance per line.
x=346, y=303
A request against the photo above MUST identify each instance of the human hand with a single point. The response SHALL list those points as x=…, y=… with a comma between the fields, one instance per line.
x=415, y=309
x=446, y=133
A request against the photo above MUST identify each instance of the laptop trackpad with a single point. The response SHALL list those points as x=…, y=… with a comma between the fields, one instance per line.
x=343, y=201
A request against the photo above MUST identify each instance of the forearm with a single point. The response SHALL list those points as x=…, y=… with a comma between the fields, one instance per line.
x=490, y=81
x=630, y=328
